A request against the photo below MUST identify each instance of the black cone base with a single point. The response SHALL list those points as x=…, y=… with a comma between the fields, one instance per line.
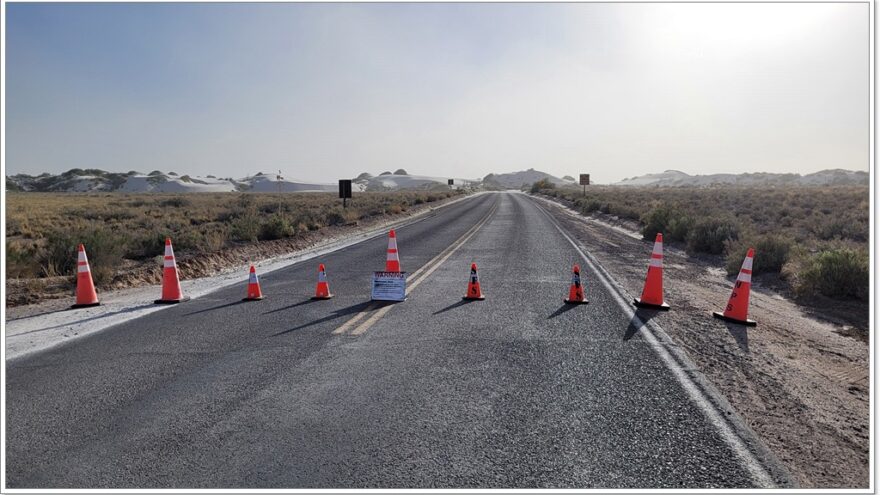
x=316, y=298
x=658, y=307
x=747, y=322
x=568, y=301
x=89, y=305
x=171, y=301
x=252, y=298
x=469, y=298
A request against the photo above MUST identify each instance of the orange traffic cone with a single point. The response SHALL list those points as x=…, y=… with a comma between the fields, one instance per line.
x=392, y=261
x=576, y=292
x=253, y=290
x=322, y=290
x=171, y=292
x=737, y=309
x=652, y=294
x=85, y=288
x=473, y=290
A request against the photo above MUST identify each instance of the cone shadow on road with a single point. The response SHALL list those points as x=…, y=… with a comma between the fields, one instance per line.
x=301, y=303
x=562, y=309
x=213, y=308
x=357, y=308
x=84, y=320
x=460, y=302
x=740, y=334
x=639, y=319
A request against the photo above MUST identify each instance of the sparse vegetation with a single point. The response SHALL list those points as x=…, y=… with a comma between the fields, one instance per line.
x=774, y=249
x=128, y=230
x=839, y=273
x=815, y=238
x=542, y=185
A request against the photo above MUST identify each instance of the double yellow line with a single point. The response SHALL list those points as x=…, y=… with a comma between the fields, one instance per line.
x=413, y=281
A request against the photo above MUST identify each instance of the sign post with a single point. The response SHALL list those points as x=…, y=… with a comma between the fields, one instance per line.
x=585, y=181
x=344, y=190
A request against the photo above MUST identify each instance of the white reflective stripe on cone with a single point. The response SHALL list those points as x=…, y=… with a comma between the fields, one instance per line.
x=744, y=277
x=392, y=257
x=81, y=256
x=658, y=248
x=322, y=277
x=747, y=264
x=168, y=250
x=170, y=263
x=82, y=268
x=253, y=278
x=655, y=262
x=392, y=243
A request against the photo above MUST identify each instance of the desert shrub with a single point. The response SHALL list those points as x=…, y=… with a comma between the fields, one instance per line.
x=275, y=227
x=541, y=185
x=305, y=220
x=104, y=248
x=841, y=226
x=837, y=273
x=215, y=239
x=21, y=261
x=710, y=235
x=679, y=227
x=771, y=254
x=337, y=216
x=625, y=211
x=58, y=256
x=244, y=228
x=186, y=239
x=245, y=201
x=175, y=202
x=145, y=245
x=15, y=226
x=656, y=220
x=590, y=206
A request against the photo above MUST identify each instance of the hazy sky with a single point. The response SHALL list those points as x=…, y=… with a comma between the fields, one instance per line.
x=329, y=91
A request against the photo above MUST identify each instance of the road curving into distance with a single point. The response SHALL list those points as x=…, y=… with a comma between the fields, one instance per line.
x=518, y=390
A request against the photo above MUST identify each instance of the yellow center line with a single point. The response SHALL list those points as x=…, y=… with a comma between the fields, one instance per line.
x=434, y=264
x=345, y=326
x=443, y=254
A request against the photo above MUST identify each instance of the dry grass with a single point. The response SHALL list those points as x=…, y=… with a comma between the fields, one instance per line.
x=43, y=229
x=815, y=238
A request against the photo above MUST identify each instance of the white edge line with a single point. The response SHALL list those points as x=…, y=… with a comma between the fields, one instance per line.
x=276, y=264
x=751, y=463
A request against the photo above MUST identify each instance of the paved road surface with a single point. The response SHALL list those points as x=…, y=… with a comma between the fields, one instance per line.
x=514, y=391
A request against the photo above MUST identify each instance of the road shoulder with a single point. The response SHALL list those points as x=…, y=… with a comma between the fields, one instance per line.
x=799, y=384
x=37, y=327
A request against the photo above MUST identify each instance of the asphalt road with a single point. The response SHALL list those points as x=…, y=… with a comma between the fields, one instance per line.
x=518, y=390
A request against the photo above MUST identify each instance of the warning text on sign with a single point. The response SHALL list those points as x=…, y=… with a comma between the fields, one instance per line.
x=389, y=286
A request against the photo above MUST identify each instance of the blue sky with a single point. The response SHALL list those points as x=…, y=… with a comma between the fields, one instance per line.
x=323, y=91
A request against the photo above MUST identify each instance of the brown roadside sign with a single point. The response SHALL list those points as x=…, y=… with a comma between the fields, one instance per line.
x=585, y=179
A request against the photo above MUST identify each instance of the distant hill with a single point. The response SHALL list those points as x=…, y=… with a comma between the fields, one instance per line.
x=673, y=178
x=517, y=180
x=93, y=180
x=403, y=181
